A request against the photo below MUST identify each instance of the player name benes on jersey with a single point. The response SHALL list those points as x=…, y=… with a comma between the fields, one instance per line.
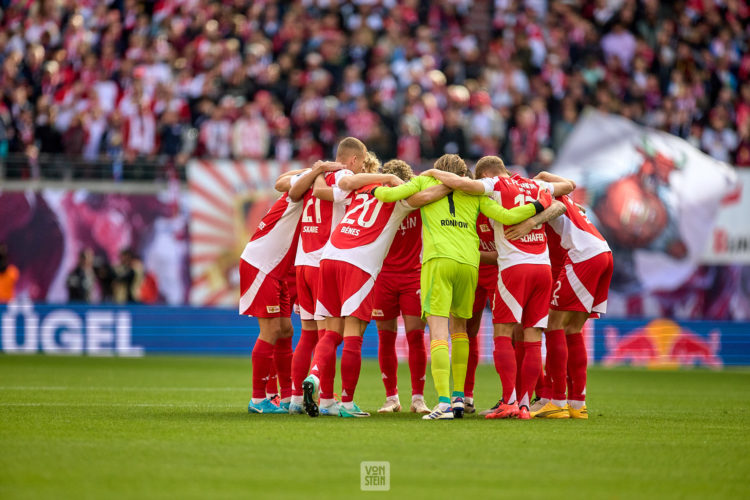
x=533, y=237
x=309, y=229
x=350, y=230
x=454, y=223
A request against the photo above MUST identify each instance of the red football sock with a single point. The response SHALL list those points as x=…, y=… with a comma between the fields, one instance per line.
x=543, y=388
x=301, y=359
x=388, y=361
x=557, y=362
x=505, y=364
x=282, y=357
x=324, y=362
x=471, y=366
x=351, y=363
x=262, y=358
x=417, y=360
x=577, y=362
x=272, y=384
x=531, y=367
x=519, y=352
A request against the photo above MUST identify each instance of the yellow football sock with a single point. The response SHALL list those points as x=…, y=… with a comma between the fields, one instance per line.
x=440, y=367
x=459, y=361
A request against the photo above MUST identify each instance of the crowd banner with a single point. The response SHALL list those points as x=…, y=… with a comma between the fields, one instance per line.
x=45, y=230
x=669, y=212
x=730, y=241
x=227, y=200
x=136, y=330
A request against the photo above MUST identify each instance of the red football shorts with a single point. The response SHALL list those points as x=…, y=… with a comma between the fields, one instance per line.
x=345, y=290
x=262, y=296
x=396, y=293
x=486, y=286
x=307, y=290
x=583, y=286
x=291, y=286
x=522, y=295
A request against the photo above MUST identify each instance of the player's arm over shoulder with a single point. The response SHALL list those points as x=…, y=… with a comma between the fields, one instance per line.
x=321, y=189
x=390, y=194
x=494, y=210
x=454, y=181
x=428, y=195
x=557, y=185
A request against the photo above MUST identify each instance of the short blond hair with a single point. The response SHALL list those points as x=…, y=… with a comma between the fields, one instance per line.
x=400, y=169
x=371, y=164
x=451, y=163
x=348, y=147
x=489, y=166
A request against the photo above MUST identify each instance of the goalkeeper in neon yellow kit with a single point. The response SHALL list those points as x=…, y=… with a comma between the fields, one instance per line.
x=450, y=259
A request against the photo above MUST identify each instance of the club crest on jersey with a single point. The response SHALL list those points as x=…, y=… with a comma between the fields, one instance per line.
x=484, y=228
x=273, y=309
x=377, y=313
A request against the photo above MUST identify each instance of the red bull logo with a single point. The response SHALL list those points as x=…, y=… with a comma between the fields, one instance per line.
x=662, y=343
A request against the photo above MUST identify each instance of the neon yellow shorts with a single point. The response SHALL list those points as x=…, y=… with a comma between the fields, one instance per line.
x=447, y=288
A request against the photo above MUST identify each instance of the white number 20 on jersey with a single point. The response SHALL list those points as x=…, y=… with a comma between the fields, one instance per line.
x=364, y=207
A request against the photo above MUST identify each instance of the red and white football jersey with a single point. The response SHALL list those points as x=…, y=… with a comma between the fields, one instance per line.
x=575, y=233
x=364, y=235
x=513, y=192
x=557, y=254
x=486, y=241
x=272, y=247
x=405, y=254
x=318, y=218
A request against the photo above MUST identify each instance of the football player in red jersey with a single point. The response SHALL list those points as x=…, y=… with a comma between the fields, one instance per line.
x=582, y=269
x=397, y=292
x=264, y=267
x=486, y=285
x=524, y=283
x=350, y=263
x=320, y=213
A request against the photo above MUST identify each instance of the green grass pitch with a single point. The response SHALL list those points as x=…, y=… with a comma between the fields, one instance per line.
x=177, y=427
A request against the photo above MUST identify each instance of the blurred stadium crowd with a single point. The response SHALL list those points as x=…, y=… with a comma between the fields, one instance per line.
x=132, y=83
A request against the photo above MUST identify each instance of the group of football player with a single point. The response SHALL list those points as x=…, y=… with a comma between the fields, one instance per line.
x=350, y=241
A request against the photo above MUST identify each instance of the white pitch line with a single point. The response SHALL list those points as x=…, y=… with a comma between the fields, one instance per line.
x=114, y=388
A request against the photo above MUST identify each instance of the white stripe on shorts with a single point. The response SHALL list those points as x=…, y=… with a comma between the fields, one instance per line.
x=352, y=303
x=321, y=311
x=304, y=314
x=509, y=299
x=249, y=296
x=583, y=295
x=542, y=323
